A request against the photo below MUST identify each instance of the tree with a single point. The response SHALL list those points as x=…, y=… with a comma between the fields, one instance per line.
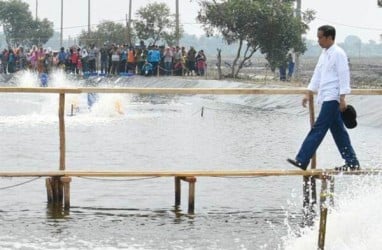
x=106, y=31
x=235, y=20
x=279, y=32
x=19, y=26
x=40, y=32
x=155, y=23
x=266, y=25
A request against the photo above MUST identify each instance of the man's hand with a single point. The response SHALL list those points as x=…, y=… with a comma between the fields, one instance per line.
x=343, y=104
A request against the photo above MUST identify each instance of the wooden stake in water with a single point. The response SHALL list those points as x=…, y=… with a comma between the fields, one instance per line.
x=323, y=214
x=177, y=191
x=322, y=233
x=61, y=111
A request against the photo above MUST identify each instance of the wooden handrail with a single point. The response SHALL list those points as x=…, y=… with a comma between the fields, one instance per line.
x=215, y=91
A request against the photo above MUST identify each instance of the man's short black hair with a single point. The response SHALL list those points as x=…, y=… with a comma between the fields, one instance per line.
x=328, y=30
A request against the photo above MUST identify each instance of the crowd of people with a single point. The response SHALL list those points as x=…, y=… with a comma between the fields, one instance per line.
x=110, y=59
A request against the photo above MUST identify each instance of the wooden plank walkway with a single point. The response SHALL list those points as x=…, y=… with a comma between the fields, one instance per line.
x=194, y=173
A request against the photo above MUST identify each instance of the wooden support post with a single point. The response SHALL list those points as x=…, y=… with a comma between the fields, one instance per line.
x=314, y=158
x=331, y=191
x=177, y=191
x=49, y=190
x=66, y=184
x=61, y=113
x=322, y=233
x=323, y=213
x=309, y=182
x=58, y=193
x=191, y=195
x=54, y=190
x=308, y=205
x=324, y=191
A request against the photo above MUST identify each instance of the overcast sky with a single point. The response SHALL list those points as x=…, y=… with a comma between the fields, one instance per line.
x=350, y=17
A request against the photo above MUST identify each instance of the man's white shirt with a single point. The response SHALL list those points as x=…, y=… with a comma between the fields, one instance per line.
x=331, y=77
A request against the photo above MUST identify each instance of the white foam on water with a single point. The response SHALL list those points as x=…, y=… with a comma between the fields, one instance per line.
x=354, y=222
x=8, y=243
x=34, y=108
x=109, y=105
x=27, y=79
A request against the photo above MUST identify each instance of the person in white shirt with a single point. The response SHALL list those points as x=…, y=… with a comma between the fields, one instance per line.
x=331, y=80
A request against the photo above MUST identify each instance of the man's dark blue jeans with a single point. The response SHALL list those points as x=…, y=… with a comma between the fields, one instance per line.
x=329, y=118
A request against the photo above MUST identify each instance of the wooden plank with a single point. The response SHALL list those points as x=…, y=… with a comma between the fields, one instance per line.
x=366, y=92
x=61, y=115
x=194, y=173
x=40, y=90
x=215, y=91
x=133, y=90
x=200, y=91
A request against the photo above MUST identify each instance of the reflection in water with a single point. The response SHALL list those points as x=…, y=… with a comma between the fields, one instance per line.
x=56, y=211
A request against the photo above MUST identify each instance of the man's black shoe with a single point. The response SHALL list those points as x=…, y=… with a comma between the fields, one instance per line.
x=347, y=167
x=298, y=164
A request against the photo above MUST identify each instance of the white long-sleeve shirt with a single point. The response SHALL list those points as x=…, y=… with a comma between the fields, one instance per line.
x=331, y=77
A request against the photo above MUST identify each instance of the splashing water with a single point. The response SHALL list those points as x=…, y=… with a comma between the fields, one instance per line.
x=45, y=105
x=109, y=105
x=27, y=79
x=353, y=224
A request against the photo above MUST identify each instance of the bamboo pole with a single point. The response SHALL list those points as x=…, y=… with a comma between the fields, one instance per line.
x=192, y=173
x=322, y=232
x=309, y=183
x=314, y=158
x=66, y=185
x=331, y=190
x=177, y=191
x=324, y=191
x=312, y=120
x=57, y=188
x=323, y=213
x=54, y=190
x=216, y=91
x=61, y=114
x=191, y=194
x=49, y=190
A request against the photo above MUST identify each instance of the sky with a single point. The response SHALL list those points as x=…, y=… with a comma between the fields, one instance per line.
x=350, y=17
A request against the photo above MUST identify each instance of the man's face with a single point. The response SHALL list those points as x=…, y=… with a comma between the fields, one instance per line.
x=323, y=41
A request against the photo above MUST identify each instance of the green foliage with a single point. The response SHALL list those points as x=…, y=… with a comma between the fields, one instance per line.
x=106, y=31
x=236, y=21
x=19, y=26
x=268, y=25
x=155, y=23
x=279, y=32
x=40, y=32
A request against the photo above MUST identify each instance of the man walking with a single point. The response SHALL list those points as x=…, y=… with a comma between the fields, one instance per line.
x=331, y=79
